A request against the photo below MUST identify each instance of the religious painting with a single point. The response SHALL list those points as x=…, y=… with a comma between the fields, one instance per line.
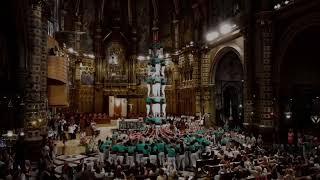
x=87, y=78
x=113, y=59
x=115, y=62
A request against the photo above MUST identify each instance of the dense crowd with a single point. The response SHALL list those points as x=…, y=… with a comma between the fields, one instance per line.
x=168, y=151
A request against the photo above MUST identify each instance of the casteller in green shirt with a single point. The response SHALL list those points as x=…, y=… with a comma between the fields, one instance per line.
x=122, y=148
x=160, y=146
x=140, y=147
x=131, y=149
x=146, y=150
x=114, y=148
x=171, y=151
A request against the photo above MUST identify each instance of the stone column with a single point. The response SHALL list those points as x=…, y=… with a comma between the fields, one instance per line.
x=97, y=51
x=196, y=76
x=44, y=65
x=37, y=92
x=206, y=95
x=207, y=103
x=248, y=109
x=175, y=81
x=133, y=57
x=77, y=37
x=265, y=109
x=176, y=35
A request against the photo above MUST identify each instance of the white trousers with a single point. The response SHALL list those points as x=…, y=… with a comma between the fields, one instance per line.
x=153, y=159
x=181, y=161
x=130, y=160
x=120, y=158
x=161, y=158
x=144, y=160
x=139, y=158
x=194, y=157
x=187, y=158
x=172, y=162
x=112, y=158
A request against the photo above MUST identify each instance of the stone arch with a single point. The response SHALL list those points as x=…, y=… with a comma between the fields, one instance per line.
x=288, y=36
x=295, y=81
x=217, y=55
x=226, y=77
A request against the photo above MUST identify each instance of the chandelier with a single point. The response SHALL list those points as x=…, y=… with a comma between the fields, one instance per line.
x=315, y=119
x=288, y=115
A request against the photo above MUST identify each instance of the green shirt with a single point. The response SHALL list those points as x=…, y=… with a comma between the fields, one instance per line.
x=146, y=151
x=224, y=141
x=115, y=148
x=187, y=140
x=154, y=149
x=131, y=149
x=140, y=147
x=171, y=151
x=108, y=142
x=104, y=147
x=122, y=148
x=199, y=140
x=178, y=148
x=160, y=147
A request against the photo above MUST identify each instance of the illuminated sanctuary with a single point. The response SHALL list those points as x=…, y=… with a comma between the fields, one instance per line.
x=175, y=88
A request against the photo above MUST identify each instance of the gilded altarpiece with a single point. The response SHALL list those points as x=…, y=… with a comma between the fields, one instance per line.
x=86, y=73
x=115, y=64
x=186, y=94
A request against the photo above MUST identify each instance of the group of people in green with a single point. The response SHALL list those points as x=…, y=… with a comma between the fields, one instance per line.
x=175, y=153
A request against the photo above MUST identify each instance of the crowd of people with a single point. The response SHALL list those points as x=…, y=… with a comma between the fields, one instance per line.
x=168, y=151
x=184, y=145
x=67, y=126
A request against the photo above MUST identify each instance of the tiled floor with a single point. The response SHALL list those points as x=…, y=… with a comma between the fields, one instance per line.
x=73, y=146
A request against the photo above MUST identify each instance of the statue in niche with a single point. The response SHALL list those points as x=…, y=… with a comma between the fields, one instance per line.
x=235, y=7
x=115, y=56
x=88, y=16
x=86, y=78
x=113, y=59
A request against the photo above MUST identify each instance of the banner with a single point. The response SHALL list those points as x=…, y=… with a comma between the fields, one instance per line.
x=131, y=125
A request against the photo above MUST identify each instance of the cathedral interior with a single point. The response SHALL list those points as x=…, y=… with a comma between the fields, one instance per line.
x=244, y=63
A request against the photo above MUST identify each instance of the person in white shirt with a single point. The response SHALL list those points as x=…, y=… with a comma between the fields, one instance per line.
x=70, y=131
x=253, y=140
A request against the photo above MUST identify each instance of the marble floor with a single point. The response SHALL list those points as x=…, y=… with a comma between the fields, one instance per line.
x=73, y=146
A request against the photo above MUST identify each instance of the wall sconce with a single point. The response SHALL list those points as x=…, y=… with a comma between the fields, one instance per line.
x=315, y=119
x=288, y=115
x=10, y=133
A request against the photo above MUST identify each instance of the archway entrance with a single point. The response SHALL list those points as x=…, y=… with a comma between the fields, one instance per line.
x=229, y=90
x=300, y=82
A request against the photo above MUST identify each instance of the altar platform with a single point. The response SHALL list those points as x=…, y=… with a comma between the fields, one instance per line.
x=73, y=147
